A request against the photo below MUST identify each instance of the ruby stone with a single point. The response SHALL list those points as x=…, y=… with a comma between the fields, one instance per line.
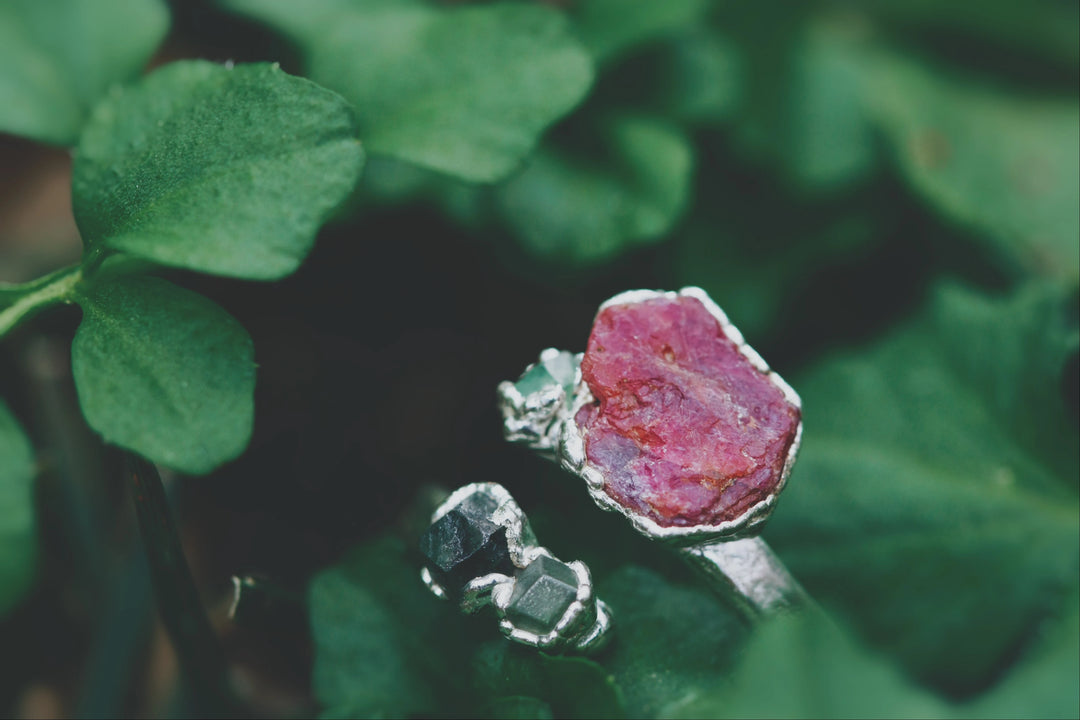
x=685, y=430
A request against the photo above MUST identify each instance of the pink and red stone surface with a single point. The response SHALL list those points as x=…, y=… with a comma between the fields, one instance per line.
x=685, y=430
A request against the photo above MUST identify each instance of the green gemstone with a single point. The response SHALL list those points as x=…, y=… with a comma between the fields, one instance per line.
x=562, y=368
x=558, y=369
x=535, y=380
x=541, y=595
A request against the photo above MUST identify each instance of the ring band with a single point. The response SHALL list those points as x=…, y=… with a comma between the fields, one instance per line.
x=480, y=551
x=676, y=423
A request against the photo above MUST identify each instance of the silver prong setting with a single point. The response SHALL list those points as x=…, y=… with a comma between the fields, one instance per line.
x=582, y=625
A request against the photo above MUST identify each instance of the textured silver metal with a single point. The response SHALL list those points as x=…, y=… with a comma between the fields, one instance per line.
x=536, y=419
x=749, y=573
x=736, y=563
x=586, y=621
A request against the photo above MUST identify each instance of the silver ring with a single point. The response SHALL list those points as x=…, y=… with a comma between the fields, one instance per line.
x=481, y=551
x=676, y=423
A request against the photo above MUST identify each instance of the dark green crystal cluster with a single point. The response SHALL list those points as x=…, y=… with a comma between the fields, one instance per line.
x=542, y=593
x=465, y=543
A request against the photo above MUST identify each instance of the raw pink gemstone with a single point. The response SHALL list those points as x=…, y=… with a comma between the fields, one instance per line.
x=685, y=430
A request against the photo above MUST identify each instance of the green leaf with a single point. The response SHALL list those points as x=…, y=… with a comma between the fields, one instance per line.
x=518, y=706
x=1005, y=164
x=1047, y=682
x=935, y=499
x=693, y=77
x=567, y=686
x=675, y=640
x=755, y=264
x=226, y=170
x=628, y=188
x=58, y=58
x=803, y=666
x=1050, y=30
x=18, y=539
x=389, y=182
x=384, y=646
x=164, y=372
x=829, y=137
x=611, y=27
x=803, y=111
x=464, y=91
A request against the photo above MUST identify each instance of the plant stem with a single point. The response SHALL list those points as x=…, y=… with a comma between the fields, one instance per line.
x=18, y=302
x=201, y=657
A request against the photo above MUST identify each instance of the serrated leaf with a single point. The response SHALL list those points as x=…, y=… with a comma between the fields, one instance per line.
x=464, y=91
x=935, y=498
x=610, y=28
x=226, y=170
x=164, y=372
x=18, y=540
x=1006, y=165
x=588, y=207
x=58, y=58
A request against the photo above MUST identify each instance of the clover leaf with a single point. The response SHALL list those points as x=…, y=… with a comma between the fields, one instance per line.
x=165, y=372
x=226, y=170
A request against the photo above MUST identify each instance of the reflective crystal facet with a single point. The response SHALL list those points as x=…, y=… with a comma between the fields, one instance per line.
x=464, y=544
x=555, y=369
x=542, y=593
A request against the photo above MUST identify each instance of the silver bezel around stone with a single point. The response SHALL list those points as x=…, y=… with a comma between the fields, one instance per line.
x=571, y=449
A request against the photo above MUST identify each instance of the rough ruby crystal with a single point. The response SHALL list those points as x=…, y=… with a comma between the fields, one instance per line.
x=685, y=430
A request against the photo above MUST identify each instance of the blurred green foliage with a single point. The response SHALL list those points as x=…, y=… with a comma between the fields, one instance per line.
x=61, y=58
x=18, y=543
x=884, y=196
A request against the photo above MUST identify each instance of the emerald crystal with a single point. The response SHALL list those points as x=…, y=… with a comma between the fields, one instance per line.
x=554, y=368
